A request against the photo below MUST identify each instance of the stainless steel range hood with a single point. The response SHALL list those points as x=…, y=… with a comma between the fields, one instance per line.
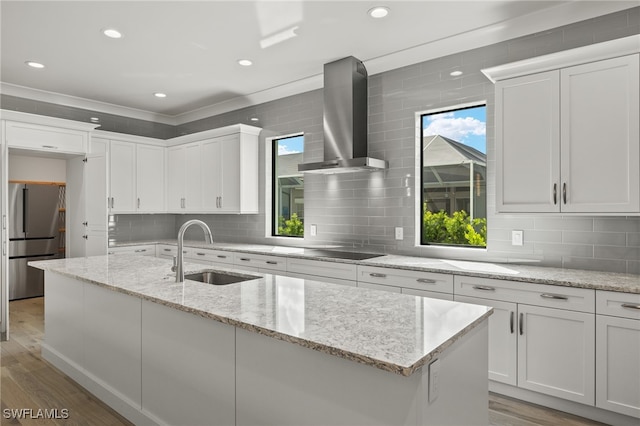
x=345, y=120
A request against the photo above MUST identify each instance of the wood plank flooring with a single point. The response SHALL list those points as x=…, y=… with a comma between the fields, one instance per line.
x=29, y=382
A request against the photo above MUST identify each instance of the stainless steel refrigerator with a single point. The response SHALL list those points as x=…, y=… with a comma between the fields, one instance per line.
x=33, y=235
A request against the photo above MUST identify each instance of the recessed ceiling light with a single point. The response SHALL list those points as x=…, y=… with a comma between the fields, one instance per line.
x=254, y=118
x=378, y=12
x=455, y=73
x=94, y=119
x=112, y=33
x=160, y=95
x=34, y=64
x=245, y=62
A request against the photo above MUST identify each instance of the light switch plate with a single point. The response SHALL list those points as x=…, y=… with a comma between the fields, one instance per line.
x=517, y=238
x=434, y=380
x=314, y=230
x=399, y=233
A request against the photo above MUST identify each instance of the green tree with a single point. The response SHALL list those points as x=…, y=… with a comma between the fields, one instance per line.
x=293, y=227
x=457, y=229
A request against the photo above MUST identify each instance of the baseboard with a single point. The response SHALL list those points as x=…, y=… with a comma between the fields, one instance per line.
x=121, y=404
x=587, y=411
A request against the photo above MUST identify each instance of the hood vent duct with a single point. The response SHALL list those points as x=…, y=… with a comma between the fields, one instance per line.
x=345, y=120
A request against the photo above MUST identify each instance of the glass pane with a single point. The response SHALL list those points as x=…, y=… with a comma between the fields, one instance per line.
x=454, y=169
x=288, y=187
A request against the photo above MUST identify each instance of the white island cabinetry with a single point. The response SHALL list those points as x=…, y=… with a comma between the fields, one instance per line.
x=270, y=350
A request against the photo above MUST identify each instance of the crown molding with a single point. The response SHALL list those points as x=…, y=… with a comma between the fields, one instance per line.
x=563, y=14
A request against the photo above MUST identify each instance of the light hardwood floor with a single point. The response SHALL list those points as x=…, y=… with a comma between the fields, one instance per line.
x=29, y=382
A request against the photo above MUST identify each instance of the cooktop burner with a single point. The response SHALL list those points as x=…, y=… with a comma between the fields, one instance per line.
x=340, y=254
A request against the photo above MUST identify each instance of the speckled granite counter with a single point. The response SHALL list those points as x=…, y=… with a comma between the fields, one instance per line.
x=627, y=283
x=392, y=332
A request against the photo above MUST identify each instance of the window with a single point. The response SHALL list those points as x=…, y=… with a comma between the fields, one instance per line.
x=453, y=176
x=288, y=187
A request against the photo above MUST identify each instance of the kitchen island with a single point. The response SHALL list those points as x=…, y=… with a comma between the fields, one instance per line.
x=268, y=350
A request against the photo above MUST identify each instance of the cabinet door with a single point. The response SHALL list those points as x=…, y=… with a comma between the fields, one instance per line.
x=618, y=365
x=175, y=178
x=212, y=172
x=502, y=339
x=193, y=178
x=123, y=177
x=150, y=178
x=232, y=174
x=96, y=231
x=527, y=143
x=556, y=353
x=600, y=136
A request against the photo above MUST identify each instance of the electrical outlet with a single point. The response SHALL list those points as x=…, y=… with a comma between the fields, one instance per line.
x=314, y=230
x=434, y=380
x=517, y=238
x=399, y=233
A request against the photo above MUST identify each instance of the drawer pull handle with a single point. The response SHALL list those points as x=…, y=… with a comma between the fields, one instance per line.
x=511, y=321
x=521, y=324
x=141, y=251
x=426, y=281
x=166, y=249
x=271, y=262
x=484, y=288
x=376, y=275
x=555, y=193
x=201, y=254
x=553, y=296
x=630, y=306
x=222, y=257
x=50, y=146
x=244, y=259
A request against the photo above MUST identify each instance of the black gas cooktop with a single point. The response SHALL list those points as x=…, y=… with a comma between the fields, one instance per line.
x=340, y=254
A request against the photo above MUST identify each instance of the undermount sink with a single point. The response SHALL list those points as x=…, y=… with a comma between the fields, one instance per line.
x=218, y=278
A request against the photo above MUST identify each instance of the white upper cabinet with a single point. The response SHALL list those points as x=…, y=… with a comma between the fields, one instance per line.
x=568, y=138
x=600, y=152
x=184, y=178
x=35, y=137
x=136, y=174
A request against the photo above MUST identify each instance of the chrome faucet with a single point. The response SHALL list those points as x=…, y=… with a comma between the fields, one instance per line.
x=178, y=262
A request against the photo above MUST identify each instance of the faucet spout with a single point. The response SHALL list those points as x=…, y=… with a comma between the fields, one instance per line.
x=208, y=236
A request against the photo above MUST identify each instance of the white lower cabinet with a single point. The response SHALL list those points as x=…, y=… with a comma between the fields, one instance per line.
x=138, y=250
x=260, y=263
x=332, y=272
x=548, y=347
x=556, y=352
x=188, y=368
x=503, y=339
x=618, y=352
x=416, y=283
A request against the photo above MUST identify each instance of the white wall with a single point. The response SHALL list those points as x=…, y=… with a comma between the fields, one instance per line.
x=39, y=169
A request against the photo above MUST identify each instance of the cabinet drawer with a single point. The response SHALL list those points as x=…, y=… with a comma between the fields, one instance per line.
x=330, y=280
x=624, y=305
x=343, y=271
x=428, y=281
x=142, y=250
x=208, y=255
x=569, y=298
x=270, y=263
x=44, y=138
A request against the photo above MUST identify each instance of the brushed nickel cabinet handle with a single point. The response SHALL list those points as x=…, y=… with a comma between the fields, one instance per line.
x=511, y=321
x=167, y=249
x=138, y=202
x=553, y=296
x=271, y=262
x=564, y=192
x=376, y=275
x=244, y=259
x=200, y=254
x=630, y=306
x=484, y=288
x=426, y=281
x=555, y=194
x=521, y=324
x=222, y=257
x=50, y=146
x=140, y=251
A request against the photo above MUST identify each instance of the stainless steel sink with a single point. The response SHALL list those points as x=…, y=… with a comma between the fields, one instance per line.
x=218, y=278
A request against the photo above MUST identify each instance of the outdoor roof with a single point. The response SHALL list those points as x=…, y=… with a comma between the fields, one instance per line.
x=442, y=151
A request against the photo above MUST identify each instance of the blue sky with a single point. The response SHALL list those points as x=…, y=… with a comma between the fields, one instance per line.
x=291, y=145
x=467, y=126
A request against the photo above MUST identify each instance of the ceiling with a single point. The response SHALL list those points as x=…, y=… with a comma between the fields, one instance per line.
x=189, y=50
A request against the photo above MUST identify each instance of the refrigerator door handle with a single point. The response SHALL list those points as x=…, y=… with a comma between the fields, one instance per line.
x=25, y=209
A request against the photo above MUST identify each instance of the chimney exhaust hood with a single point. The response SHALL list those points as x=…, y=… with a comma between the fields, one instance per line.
x=345, y=120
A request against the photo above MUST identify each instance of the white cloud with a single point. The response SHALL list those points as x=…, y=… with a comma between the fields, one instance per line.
x=454, y=128
x=285, y=150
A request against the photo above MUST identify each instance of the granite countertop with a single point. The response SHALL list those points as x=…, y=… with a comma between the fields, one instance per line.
x=393, y=332
x=611, y=281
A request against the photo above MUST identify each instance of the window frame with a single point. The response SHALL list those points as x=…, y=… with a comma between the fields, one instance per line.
x=270, y=186
x=440, y=250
